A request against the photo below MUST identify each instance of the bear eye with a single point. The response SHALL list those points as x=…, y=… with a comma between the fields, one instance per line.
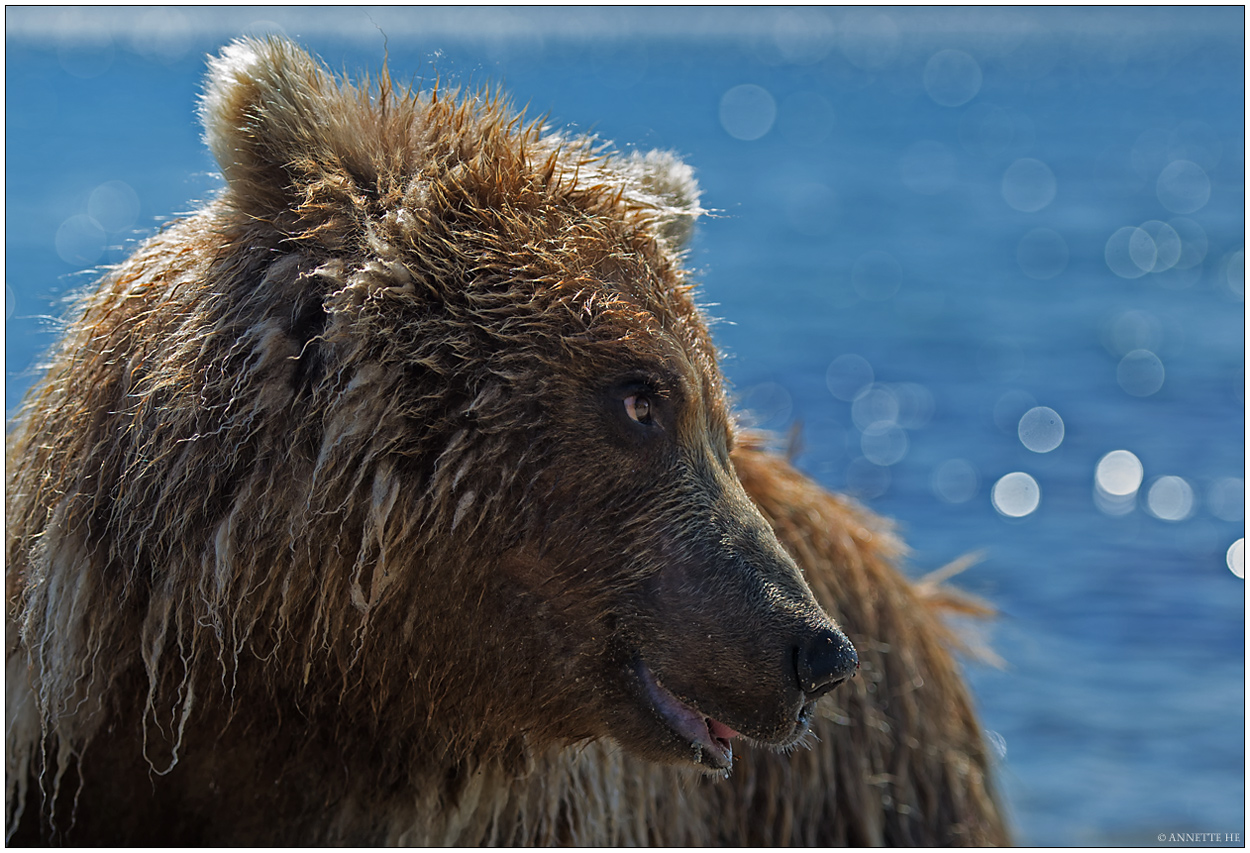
x=638, y=407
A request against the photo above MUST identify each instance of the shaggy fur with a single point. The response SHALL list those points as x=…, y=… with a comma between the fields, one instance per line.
x=334, y=519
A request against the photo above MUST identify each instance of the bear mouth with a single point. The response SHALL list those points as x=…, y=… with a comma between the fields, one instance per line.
x=710, y=740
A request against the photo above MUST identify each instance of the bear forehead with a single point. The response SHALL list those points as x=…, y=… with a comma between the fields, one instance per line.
x=291, y=138
x=479, y=206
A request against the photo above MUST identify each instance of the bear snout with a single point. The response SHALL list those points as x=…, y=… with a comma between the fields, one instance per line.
x=822, y=661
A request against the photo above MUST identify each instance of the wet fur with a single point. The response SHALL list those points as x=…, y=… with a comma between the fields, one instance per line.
x=286, y=564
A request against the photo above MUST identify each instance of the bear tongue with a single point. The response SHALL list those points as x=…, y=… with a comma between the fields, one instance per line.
x=710, y=738
x=719, y=730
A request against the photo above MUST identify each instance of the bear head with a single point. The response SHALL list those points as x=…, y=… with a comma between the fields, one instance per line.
x=421, y=432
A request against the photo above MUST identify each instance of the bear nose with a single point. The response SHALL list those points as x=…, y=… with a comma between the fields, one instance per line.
x=823, y=661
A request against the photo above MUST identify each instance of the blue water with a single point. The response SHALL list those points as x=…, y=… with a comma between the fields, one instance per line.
x=940, y=193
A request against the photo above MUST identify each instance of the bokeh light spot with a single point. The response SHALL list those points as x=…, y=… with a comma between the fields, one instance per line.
x=952, y=78
x=1227, y=499
x=1041, y=429
x=1170, y=498
x=767, y=405
x=1130, y=252
x=1235, y=272
x=80, y=241
x=847, y=376
x=876, y=276
x=114, y=206
x=1028, y=185
x=1119, y=473
x=1166, y=244
x=875, y=405
x=1236, y=558
x=1142, y=250
x=1140, y=373
x=1042, y=254
x=1193, y=242
x=884, y=443
x=1016, y=495
x=927, y=168
x=955, y=481
x=1183, y=187
x=747, y=112
x=915, y=404
x=1116, y=481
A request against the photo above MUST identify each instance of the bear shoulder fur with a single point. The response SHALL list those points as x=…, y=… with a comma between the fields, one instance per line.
x=394, y=497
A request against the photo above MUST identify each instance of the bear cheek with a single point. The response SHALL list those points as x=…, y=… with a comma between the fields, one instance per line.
x=544, y=590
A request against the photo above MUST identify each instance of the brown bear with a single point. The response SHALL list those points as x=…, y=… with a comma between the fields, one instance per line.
x=394, y=498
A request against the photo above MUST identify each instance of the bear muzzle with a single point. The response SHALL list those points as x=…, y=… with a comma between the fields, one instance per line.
x=699, y=697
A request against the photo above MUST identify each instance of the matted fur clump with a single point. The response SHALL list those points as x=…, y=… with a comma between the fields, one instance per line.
x=394, y=498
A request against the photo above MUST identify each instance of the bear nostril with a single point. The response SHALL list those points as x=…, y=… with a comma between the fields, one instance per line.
x=823, y=661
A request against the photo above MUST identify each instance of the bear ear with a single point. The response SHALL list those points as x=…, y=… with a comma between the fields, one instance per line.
x=260, y=104
x=664, y=182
